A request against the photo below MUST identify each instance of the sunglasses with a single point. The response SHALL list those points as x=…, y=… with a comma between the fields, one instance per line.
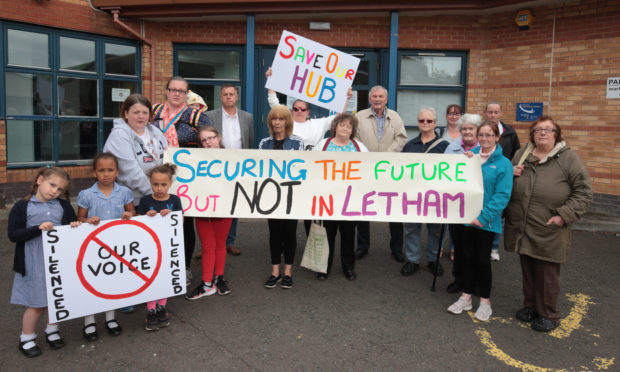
x=302, y=109
x=428, y=121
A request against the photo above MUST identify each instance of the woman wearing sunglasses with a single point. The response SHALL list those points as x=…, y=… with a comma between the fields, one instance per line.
x=311, y=131
x=427, y=142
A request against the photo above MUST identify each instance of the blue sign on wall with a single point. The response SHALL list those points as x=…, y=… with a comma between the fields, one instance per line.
x=529, y=111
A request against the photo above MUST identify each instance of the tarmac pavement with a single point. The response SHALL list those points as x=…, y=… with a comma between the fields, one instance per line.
x=382, y=321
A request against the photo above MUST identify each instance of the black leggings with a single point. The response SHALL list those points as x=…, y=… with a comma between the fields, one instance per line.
x=476, y=252
x=189, y=239
x=282, y=240
x=347, y=242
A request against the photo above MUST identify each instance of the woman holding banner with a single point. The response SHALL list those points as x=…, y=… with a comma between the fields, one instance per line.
x=311, y=131
x=468, y=126
x=475, y=240
x=180, y=124
x=138, y=145
x=282, y=233
x=343, y=130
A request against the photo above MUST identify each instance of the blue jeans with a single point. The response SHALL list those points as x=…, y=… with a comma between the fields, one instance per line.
x=232, y=233
x=412, y=241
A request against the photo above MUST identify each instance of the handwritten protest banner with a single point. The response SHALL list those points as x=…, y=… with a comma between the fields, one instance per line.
x=328, y=185
x=312, y=72
x=90, y=269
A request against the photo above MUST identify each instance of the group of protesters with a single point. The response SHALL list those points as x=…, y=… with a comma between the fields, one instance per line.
x=532, y=195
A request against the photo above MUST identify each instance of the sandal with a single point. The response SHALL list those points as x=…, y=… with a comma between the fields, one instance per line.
x=54, y=344
x=113, y=331
x=90, y=336
x=29, y=353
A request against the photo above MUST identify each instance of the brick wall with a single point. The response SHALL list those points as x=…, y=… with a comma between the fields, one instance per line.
x=505, y=64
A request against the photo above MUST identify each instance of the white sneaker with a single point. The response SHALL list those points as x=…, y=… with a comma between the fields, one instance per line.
x=484, y=312
x=460, y=305
x=494, y=256
x=188, y=277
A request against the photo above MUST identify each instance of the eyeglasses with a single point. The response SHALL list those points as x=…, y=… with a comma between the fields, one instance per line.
x=176, y=91
x=454, y=114
x=302, y=109
x=486, y=135
x=546, y=130
x=428, y=121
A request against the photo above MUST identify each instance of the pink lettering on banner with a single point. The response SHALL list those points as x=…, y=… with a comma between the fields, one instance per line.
x=345, y=212
x=209, y=199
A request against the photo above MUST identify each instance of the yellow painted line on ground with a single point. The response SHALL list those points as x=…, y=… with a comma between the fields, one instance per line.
x=603, y=363
x=492, y=319
x=496, y=352
x=573, y=320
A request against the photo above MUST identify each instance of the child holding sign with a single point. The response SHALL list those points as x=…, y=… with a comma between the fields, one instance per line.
x=160, y=201
x=40, y=211
x=213, y=233
x=105, y=200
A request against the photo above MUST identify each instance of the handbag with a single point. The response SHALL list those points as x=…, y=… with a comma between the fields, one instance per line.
x=316, y=251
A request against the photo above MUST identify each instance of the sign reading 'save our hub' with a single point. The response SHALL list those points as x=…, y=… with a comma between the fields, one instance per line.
x=613, y=87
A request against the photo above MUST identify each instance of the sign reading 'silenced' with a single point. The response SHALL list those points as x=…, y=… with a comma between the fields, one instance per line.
x=312, y=72
x=367, y=186
x=90, y=269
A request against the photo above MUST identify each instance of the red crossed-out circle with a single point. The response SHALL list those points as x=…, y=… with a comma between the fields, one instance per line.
x=92, y=238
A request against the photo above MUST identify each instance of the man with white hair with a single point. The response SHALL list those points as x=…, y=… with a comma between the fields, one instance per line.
x=380, y=129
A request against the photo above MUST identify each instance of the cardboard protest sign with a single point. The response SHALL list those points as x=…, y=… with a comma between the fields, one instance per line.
x=367, y=186
x=312, y=72
x=91, y=269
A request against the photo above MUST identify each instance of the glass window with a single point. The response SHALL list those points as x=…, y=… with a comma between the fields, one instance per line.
x=57, y=95
x=211, y=95
x=435, y=80
x=28, y=94
x=28, y=48
x=77, y=97
x=107, y=129
x=77, y=54
x=361, y=76
x=114, y=93
x=29, y=140
x=77, y=140
x=120, y=59
x=430, y=70
x=416, y=99
x=209, y=64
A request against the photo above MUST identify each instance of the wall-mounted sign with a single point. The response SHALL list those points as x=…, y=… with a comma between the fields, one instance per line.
x=119, y=94
x=529, y=111
x=613, y=87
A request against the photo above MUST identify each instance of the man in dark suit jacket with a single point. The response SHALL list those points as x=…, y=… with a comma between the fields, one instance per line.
x=237, y=130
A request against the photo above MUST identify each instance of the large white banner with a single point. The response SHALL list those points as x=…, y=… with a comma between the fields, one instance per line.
x=90, y=269
x=312, y=72
x=367, y=186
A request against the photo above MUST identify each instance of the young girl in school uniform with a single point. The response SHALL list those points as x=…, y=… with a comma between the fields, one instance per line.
x=105, y=200
x=160, y=201
x=46, y=206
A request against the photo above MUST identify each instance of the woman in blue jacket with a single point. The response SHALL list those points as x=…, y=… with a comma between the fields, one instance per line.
x=282, y=233
x=476, y=239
